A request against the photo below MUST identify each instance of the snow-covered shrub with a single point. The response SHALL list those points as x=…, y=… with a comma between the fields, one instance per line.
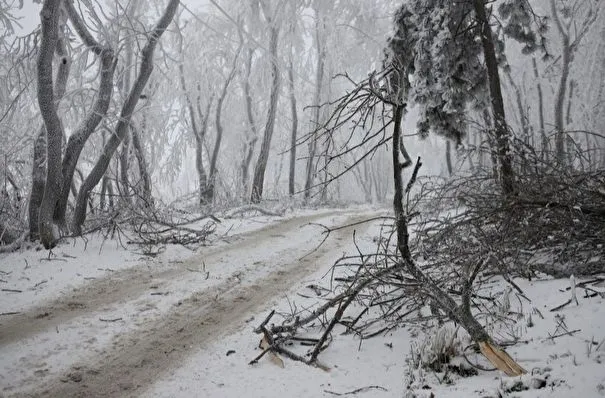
x=436, y=350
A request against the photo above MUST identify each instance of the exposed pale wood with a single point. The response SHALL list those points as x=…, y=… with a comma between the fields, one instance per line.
x=500, y=359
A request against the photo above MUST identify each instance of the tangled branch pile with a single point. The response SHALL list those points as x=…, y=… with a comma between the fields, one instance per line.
x=464, y=235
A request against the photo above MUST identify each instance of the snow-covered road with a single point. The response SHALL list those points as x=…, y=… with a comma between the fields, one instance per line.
x=119, y=333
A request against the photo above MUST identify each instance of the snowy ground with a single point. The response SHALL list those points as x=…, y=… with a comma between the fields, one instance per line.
x=95, y=319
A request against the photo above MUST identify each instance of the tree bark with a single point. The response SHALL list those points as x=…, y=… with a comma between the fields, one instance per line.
x=39, y=163
x=294, y=131
x=570, y=143
x=261, y=164
x=38, y=180
x=124, y=166
x=145, y=198
x=54, y=130
x=507, y=175
x=125, y=115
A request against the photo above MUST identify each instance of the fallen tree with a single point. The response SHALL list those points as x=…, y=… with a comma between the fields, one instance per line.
x=391, y=279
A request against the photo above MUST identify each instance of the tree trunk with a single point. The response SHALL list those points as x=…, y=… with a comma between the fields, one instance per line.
x=125, y=115
x=251, y=140
x=523, y=120
x=38, y=180
x=543, y=137
x=571, y=144
x=39, y=164
x=103, y=195
x=319, y=77
x=560, y=97
x=491, y=144
x=124, y=84
x=210, y=188
x=54, y=131
x=261, y=164
x=145, y=198
x=78, y=139
x=448, y=157
x=519, y=101
x=199, y=133
x=294, y=131
x=108, y=186
x=507, y=176
x=124, y=160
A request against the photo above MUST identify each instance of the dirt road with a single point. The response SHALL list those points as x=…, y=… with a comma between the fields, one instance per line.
x=162, y=317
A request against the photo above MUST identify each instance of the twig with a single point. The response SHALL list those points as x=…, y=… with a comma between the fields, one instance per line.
x=335, y=319
x=358, y=390
x=594, y=293
x=262, y=354
x=53, y=259
x=559, y=307
x=9, y=313
x=12, y=290
x=40, y=283
x=110, y=320
x=260, y=328
x=563, y=334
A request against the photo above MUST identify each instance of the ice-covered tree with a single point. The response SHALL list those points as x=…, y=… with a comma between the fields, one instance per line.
x=445, y=59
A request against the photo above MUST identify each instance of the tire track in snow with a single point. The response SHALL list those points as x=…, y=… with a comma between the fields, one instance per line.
x=136, y=359
x=128, y=284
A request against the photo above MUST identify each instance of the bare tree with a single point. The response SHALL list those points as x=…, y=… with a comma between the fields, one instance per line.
x=39, y=151
x=210, y=188
x=319, y=78
x=51, y=10
x=124, y=84
x=571, y=34
x=78, y=139
x=146, y=67
x=144, y=197
x=198, y=121
x=263, y=158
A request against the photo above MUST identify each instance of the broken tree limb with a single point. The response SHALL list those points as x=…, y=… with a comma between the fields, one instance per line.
x=459, y=313
x=500, y=359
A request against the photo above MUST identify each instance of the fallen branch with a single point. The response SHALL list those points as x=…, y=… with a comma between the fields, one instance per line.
x=356, y=391
x=249, y=208
x=571, y=332
x=560, y=307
